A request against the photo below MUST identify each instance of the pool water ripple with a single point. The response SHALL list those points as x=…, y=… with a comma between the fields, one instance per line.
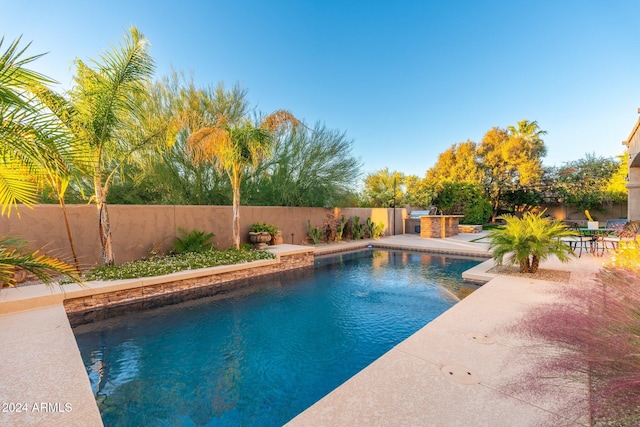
x=263, y=358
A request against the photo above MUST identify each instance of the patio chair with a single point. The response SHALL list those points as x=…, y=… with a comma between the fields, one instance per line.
x=579, y=241
x=627, y=233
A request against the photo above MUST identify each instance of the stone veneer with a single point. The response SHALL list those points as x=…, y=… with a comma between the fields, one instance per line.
x=439, y=226
x=469, y=228
x=86, y=309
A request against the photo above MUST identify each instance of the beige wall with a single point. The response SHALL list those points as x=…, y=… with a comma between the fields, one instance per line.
x=633, y=145
x=137, y=229
x=633, y=186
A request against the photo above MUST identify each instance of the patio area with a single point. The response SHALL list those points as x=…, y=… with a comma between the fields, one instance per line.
x=455, y=371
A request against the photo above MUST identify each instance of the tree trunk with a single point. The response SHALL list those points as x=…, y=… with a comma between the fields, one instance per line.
x=236, y=212
x=69, y=235
x=525, y=267
x=495, y=205
x=104, y=227
x=535, y=263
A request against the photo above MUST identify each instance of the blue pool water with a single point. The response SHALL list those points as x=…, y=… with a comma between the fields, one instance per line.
x=265, y=353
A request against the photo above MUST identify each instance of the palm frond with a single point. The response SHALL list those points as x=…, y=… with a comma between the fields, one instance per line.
x=529, y=239
x=212, y=144
x=278, y=120
x=14, y=77
x=14, y=254
x=16, y=187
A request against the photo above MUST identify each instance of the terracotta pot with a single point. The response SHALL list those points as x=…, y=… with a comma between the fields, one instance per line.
x=276, y=239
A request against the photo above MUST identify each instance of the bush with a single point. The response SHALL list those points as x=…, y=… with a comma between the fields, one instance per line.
x=195, y=241
x=315, y=233
x=461, y=198
x=598, y=326
x=263, y=227
x=528, y=240
x=357, y=229
x=627, y=256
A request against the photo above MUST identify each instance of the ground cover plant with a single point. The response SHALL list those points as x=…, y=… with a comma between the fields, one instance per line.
x=159, y=265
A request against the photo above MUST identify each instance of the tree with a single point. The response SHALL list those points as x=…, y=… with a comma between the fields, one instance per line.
x=308, y=168
x=27, y=143
x=169, y=175
x=103, y=110
x=418, y=192
x=617, y=190
x=459, y=163
x=384, y=188
x=20, y=122
x=590, y=182
x=464, y=198
x=528, y=240
x=511, y=159
x=234, y=147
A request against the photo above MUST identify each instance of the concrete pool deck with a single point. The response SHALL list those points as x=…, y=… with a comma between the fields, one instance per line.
x=44, y=382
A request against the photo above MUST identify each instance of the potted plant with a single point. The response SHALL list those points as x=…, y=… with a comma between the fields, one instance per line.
x=260, y=233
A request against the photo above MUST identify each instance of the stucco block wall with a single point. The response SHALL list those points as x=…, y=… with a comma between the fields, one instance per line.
x=138, y=229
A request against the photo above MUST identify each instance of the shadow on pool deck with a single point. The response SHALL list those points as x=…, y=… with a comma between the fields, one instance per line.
x=411, y=384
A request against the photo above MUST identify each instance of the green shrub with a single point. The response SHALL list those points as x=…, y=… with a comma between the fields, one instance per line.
x=461, y=198
x=315, y=233
x=262, y=227
x=528, y=240
x=374, y=229
x=357, y=229
x=378, y=229
x=340, y=227
x=195, y=241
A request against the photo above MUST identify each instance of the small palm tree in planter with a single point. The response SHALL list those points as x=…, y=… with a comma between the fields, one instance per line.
x=528, y=240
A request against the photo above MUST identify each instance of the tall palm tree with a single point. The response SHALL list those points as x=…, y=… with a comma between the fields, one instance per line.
x=528, y=130
x=104, y=106
x=235, y=147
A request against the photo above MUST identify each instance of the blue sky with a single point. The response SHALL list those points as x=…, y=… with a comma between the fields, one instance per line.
x=403, y=79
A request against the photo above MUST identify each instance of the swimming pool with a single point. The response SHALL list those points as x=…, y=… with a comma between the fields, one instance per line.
x=264, y=355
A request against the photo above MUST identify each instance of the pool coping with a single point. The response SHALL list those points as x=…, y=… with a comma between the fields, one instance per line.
x=25, y=332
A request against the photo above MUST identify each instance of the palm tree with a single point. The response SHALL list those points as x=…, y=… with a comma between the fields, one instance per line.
x=527, y=130
x=528, y=240
x=19, y=122
x=27, y=143
x=235, y=147
x=103, y=108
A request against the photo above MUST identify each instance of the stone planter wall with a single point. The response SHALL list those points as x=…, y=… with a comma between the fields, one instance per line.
x=94, y=307
x=466, y=228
